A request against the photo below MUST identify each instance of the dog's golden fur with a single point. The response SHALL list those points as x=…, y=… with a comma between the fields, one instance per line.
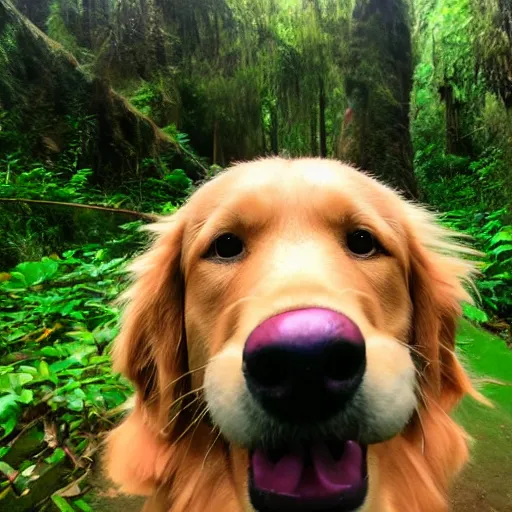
x=182, y=310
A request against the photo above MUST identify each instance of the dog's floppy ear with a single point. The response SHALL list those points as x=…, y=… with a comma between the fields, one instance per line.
x=151, y=352
x=419, y=464
x=440, y=274
x=152, y=322
x=434, y=448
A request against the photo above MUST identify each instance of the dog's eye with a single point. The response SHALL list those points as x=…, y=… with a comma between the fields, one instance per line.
x=362, y=243
x=227, y=246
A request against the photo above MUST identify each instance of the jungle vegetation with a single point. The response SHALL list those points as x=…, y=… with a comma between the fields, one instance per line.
x=112, y=111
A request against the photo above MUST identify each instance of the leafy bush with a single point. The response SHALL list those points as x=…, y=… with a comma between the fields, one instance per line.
x=57, y=391
x=471, y=194
x=492, y=233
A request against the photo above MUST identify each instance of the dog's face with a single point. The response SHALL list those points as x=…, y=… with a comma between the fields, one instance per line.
x=297, y=301
x=295, y=297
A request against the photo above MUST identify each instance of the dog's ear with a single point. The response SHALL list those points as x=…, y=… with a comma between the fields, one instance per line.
x=421, y=463
x=152, y=323
x=151, y=352
x=440, y=274
x=441, y=271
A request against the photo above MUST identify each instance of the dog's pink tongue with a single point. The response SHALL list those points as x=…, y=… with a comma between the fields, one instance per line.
x=338, y=475
x=316, y=475
x=282, y=477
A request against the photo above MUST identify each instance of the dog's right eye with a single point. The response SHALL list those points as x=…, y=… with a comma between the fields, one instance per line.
x=226, y=247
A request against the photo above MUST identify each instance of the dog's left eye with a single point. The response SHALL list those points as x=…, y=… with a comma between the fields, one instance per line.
x=362, y=243
x=226, y=247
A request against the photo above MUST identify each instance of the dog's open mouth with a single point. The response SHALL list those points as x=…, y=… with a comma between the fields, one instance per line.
x=318, y=476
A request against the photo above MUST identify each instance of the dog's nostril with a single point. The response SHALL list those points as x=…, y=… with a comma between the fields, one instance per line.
x=342, y=360
x=304, y=365
x=268, y=368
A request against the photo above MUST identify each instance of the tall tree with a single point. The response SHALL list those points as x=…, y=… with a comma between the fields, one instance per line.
x=48, y=95
x=378, y=84
x=494, y=46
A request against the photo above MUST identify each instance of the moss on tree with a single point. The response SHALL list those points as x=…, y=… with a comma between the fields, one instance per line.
x=45, y=94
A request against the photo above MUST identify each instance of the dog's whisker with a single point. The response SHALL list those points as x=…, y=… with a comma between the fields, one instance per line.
x=199, y=411
x=192, y=423
x=155, y=396
x=185, y=395
x=175, y=417
x=190, y=372
x=423, y=441
x=170, y=384
x=210, y=449
x=412, y=348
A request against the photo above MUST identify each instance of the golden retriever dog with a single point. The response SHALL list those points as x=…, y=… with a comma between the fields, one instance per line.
x=290, y=334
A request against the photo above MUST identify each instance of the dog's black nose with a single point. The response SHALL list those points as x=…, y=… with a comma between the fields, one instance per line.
x=303, y=365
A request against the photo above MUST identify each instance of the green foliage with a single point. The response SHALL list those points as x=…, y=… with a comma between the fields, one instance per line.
x=30, y=232
x=57, y=30
x=492, y=233
x=461, y=134
x=471, y=192
x=57, y=322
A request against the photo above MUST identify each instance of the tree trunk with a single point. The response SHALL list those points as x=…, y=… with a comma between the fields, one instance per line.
x=321, y=107
x=497, y=64
x=215, y=156
x=43, y=87
x=456, y=142
x=274, y=136
x=378, y=83
x=86, y=23
x=314, y=132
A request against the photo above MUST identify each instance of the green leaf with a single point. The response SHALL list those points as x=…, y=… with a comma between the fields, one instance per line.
x=82, y=505
x=86, y=336
x=14, y=381
x=28, y=369
x=57, y=455
x=49, y=352
x=26, y=396
x=76, y=404
x=505, y=276
x=501, y=249
x=504, y=235
x=79, y=393
x=69, y=254
x=44, y=369
x=9, y=425
x=73, y=425
x=16, y=282
x=28, y=471
x=36, y=272
x=62, y=504
x=475, y=314
x=7, y=470
x=9, y=411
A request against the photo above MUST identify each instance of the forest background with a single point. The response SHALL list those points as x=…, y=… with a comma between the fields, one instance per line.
x=114, y=110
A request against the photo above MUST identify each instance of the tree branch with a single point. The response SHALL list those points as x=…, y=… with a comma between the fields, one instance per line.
x=148, y=217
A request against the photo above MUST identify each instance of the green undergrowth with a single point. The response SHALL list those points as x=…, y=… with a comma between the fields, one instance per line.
x=481, y=209
x=481, y=487
x=488, y=358
x=57, y=391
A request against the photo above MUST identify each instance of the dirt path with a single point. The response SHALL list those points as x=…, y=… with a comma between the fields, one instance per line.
x=485, y=485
